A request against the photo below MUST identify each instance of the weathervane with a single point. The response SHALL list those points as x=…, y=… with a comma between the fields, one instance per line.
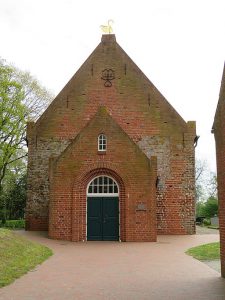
x=107, y=28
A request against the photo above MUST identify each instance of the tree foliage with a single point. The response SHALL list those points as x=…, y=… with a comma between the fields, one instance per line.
x=206, y=190
x=22, y=99
x=36, y=97
x=205, y=181
x=13, y=114
x=207, y=209
x=13, y=201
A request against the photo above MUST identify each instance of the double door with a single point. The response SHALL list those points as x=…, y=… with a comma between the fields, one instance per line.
x=102, y=218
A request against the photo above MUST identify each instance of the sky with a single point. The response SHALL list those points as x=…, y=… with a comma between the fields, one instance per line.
x=178, y=44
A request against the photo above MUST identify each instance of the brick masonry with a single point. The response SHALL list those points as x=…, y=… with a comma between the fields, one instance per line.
x=63, y=152
x=219, y=133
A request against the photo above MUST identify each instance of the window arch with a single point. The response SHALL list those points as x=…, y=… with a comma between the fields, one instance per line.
x=102, y=142
x=103, y=185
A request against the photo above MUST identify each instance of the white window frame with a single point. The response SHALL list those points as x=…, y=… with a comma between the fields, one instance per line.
x=107, y=185
x=102, y=142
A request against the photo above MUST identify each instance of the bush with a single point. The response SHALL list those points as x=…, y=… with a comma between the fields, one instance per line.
x=14, y=224
x=206, y=222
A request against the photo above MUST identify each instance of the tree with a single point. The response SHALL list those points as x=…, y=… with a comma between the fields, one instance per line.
x=201, y=169
x=210, y=208
x=205, y=181
x=12, y=119
x=212, y=185
x=13, y=201
x=22, y=98
x=36, y=97
x=200, y=209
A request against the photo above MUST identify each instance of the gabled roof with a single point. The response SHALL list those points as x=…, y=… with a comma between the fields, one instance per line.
x=130, y=82
x=163, y=100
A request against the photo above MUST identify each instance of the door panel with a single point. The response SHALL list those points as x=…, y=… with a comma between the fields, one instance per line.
x=110, y=219
x=94, y=219
x=103, y=219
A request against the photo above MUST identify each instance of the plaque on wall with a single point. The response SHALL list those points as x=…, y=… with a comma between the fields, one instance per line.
x=141, y=207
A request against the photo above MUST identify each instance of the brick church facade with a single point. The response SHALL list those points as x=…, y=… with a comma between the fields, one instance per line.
x=110, y=158
x=219, y=134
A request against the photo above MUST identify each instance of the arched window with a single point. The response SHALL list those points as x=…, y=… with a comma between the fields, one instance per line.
x=102, y=141
x=103, y=185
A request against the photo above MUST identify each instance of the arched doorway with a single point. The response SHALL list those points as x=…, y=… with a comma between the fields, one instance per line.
x=103, y=209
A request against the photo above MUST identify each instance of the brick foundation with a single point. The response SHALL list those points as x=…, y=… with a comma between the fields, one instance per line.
x=36, y=223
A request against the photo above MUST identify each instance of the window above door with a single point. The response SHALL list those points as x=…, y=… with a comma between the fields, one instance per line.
x=103, y=185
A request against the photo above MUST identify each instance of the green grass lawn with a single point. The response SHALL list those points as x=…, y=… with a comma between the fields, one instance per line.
x=18, y=255
x=205, y=252
x=213, y=227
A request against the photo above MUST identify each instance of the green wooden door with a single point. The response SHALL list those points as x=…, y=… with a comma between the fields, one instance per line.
x=103, y=219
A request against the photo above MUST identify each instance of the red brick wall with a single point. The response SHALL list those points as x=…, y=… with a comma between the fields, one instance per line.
x=141, y=111
x=219, y=132
x=81, y=162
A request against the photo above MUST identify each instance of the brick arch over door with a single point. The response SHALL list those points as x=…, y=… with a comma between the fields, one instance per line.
x=79, y=202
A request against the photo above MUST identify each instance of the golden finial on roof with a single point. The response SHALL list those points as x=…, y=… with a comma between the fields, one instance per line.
x=107, y=28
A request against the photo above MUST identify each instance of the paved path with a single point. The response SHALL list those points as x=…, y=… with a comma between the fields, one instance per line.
x=205, y=230
x=121, y=271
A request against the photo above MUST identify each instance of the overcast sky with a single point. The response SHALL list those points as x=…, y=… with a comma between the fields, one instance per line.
x=178, y=44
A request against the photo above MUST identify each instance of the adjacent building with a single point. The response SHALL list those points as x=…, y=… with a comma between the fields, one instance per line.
x=219, y=133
